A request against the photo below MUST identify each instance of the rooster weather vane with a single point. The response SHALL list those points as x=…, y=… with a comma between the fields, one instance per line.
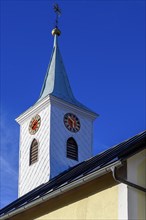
x=58, y=13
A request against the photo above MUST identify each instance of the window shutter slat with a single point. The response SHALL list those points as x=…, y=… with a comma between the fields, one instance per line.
x=33, y=152
x=72, y=149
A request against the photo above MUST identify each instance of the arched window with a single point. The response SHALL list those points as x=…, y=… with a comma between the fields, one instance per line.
x=72, y=149
x=33, y=152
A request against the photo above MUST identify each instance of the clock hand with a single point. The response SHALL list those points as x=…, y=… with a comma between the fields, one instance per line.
x=70, y=118
x=72, y=121
x=34, y=125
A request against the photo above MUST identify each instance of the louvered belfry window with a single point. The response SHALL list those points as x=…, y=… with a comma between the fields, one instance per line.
x=33, y=152
x=72, y=149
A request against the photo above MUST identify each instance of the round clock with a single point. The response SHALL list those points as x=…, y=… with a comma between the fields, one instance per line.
x=71, y=122
x=34, y=124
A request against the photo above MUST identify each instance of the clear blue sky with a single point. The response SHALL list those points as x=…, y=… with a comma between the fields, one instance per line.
x=103, y=48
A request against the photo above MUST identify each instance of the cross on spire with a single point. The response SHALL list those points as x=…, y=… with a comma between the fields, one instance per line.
x=57, y=12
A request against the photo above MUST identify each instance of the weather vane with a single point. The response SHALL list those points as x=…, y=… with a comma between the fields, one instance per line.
x=58, y=13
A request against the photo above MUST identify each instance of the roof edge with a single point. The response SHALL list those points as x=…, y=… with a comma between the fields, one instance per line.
x=70, y=186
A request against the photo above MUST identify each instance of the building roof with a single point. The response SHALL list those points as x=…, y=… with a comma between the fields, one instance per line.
x=56, y=82
x=114, y=154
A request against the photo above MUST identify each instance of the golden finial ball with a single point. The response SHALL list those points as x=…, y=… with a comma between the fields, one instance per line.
x=56, y=31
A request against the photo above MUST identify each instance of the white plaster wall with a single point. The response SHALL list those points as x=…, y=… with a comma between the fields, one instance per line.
x=122, y=202
x=136, y=173
x=34, y=175
x=60, y=134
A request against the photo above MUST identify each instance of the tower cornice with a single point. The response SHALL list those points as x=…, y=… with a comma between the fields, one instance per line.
x=37, y=107
x=74, y=108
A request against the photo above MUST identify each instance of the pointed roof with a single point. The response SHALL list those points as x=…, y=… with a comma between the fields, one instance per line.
x=56, y=82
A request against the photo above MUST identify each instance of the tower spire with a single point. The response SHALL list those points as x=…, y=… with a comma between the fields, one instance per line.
x=56, y=82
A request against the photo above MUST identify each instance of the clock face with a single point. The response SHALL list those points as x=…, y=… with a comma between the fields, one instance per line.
x=34, y=124
x=71, y=122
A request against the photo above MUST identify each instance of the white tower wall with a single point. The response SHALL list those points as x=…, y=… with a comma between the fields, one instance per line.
x=60, y=135
x=31, y=176
x=52, y=137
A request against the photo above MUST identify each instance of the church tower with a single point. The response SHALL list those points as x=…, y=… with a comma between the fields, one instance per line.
x=56, y=132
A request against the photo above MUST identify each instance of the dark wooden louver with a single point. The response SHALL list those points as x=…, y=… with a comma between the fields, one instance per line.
x=33, y=152
x=72, y=149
